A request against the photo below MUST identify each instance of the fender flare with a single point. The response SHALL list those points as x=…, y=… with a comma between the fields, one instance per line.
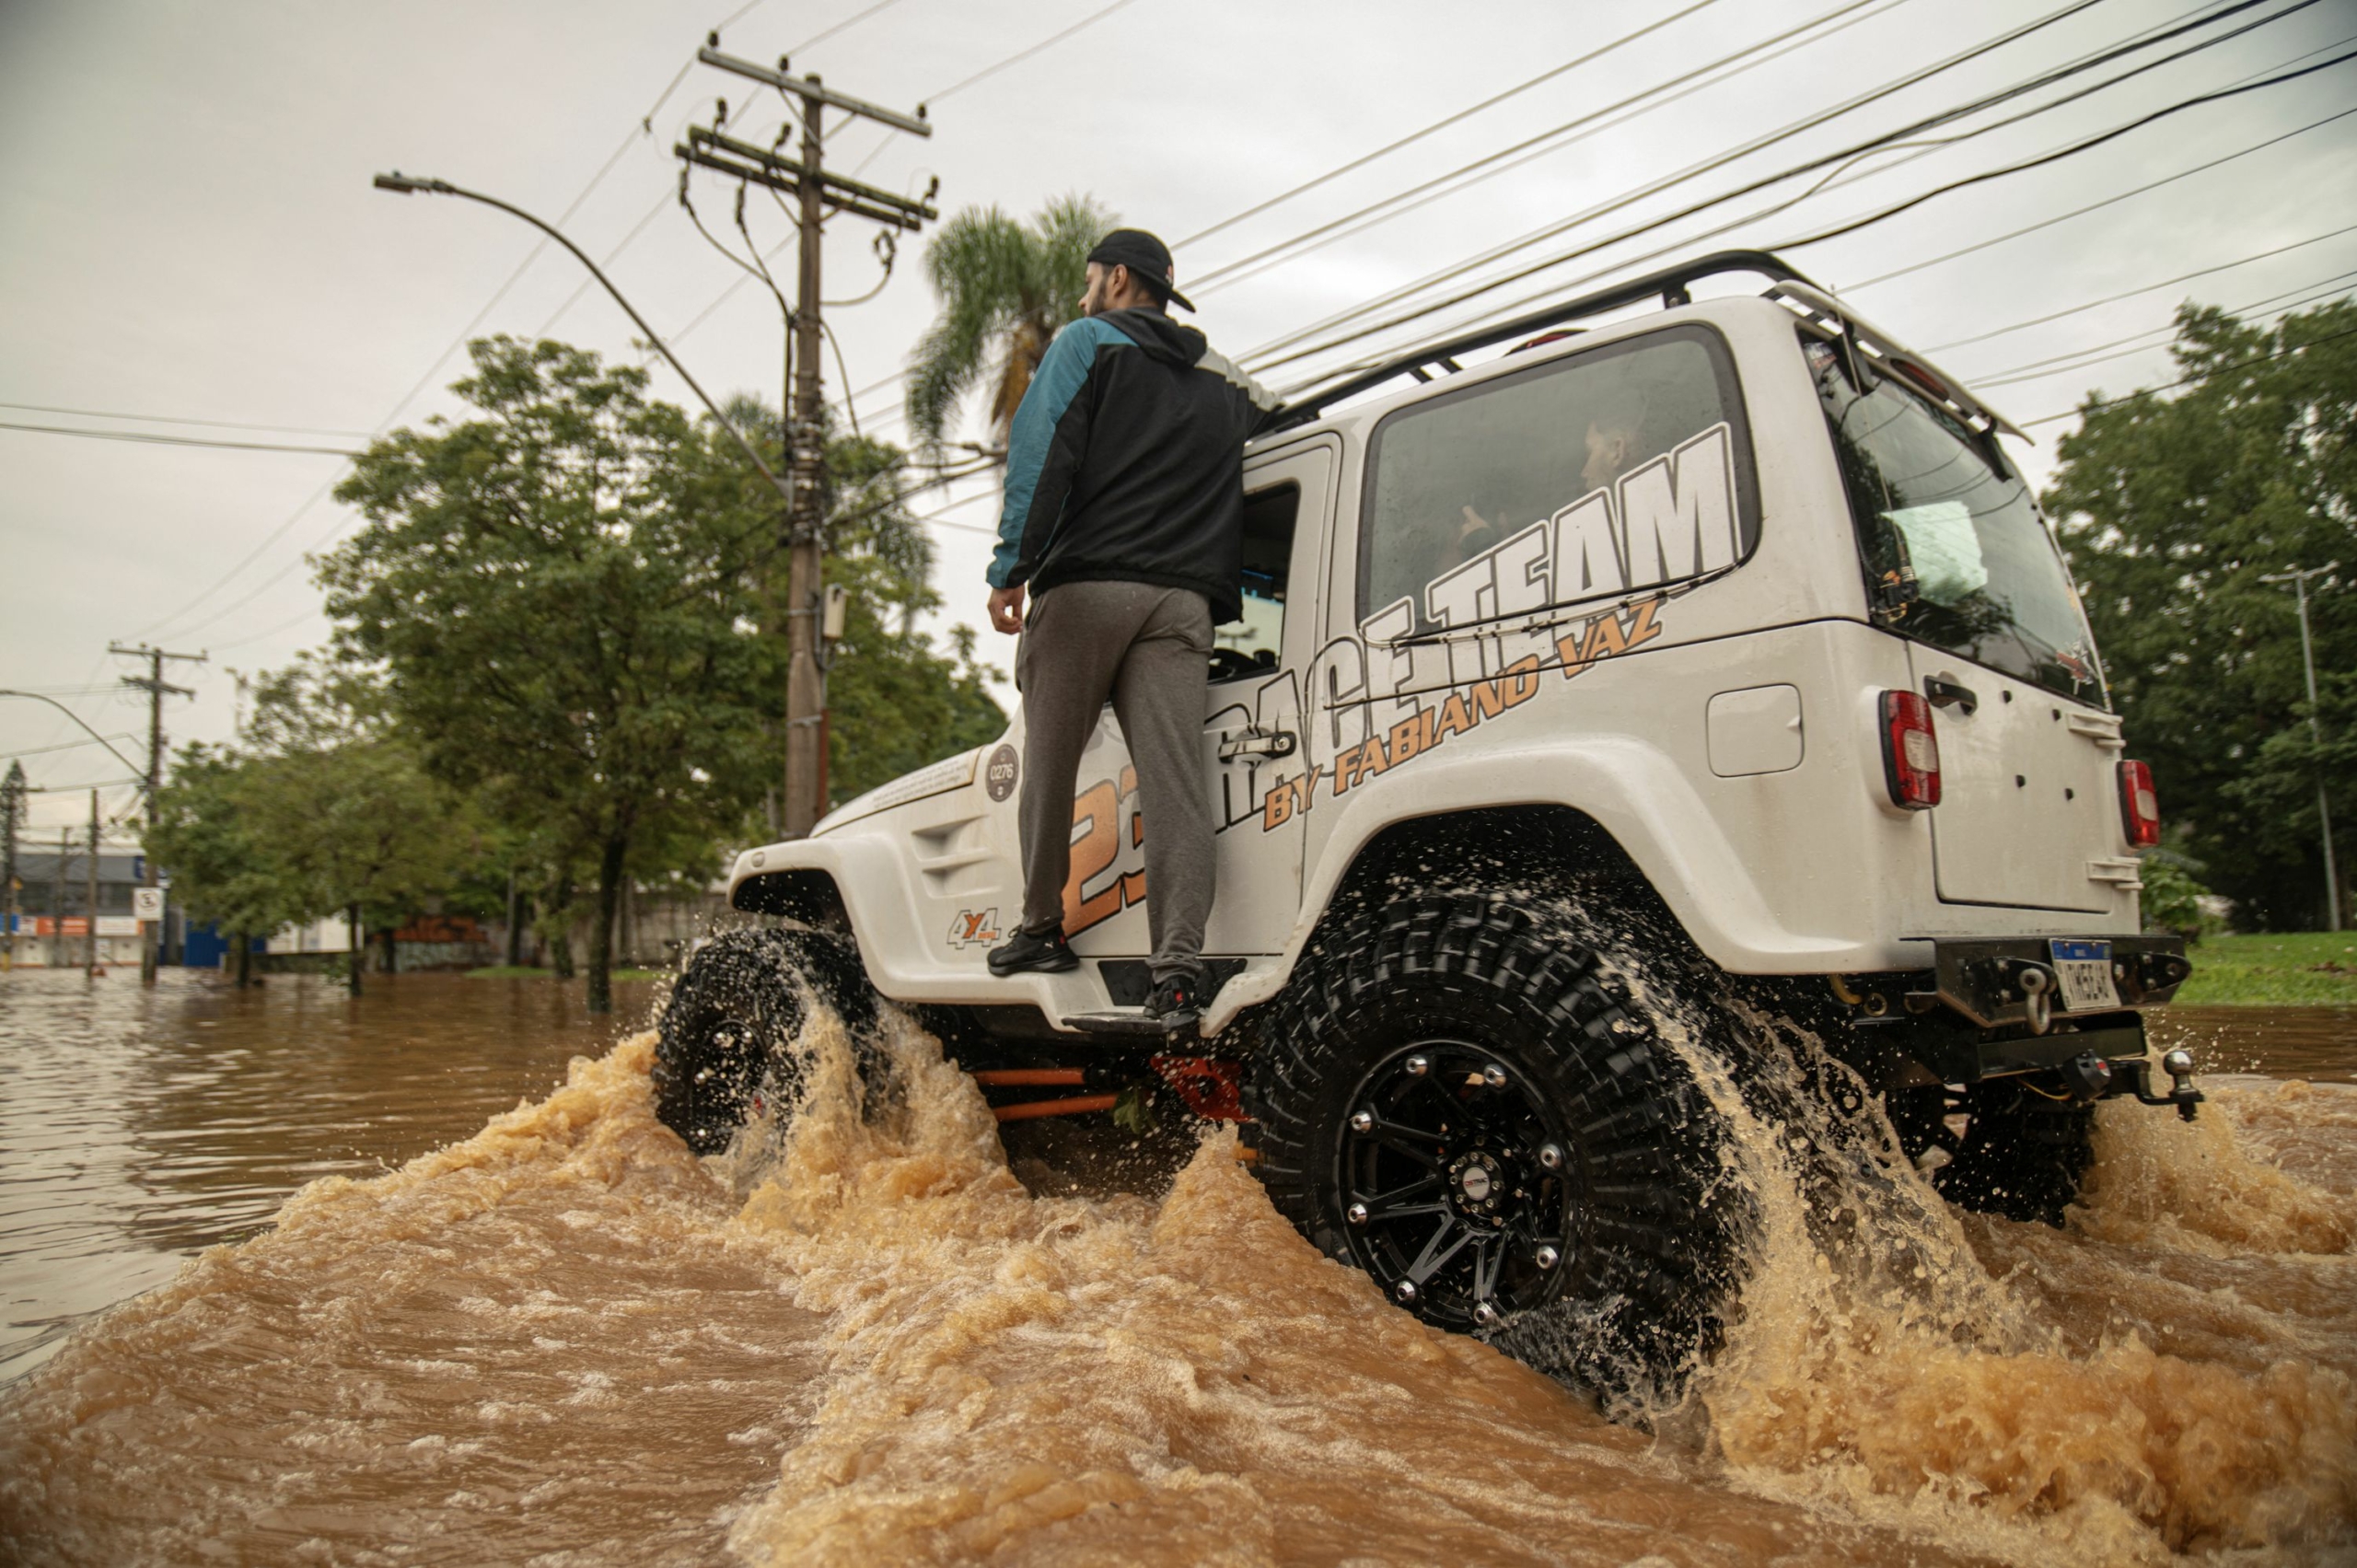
x=1633, y=792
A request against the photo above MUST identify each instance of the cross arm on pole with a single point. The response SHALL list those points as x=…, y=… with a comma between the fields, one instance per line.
x=793, y=187
x=809, y=87
x=829, y=180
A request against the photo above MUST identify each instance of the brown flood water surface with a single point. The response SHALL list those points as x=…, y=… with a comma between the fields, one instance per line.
x=561, y=1337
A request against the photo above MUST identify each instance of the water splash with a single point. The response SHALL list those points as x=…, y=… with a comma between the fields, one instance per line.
x=865, y=1341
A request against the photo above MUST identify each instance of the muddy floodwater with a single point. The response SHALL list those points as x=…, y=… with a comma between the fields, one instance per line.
x=420, y=1279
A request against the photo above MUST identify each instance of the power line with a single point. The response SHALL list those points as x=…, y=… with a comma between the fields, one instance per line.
x=645, y=126
x=2094, y=206
x=251, y=556
x=312, y=614
x=65, y=746
x=77, y=718
x=2089, y=144
x=155, y=438
x=173, y=419
x=1438, y=125
x=266, y=583
x=1306, y=343
x=1260, y=356
x=1223, y=276
x=987, y=72
x=2131, y=294
x=1888, y=143
x=851, y=20
x=85, y=689
x=729, y=292
x=1840, y=177
x=1545, y=143
x=103, y=783
x=2080, y=359
x=2189, y=380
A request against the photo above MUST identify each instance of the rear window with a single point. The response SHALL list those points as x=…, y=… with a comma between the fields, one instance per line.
x=1589, y=475
x=1955, y=553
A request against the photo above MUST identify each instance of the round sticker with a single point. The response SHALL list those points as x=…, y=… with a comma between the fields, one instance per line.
x=999, y=772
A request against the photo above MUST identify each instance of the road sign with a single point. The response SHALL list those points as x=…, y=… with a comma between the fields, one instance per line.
x=147, y=903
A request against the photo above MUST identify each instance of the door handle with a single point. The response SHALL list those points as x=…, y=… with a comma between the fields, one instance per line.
x=1258, y=743
x=1951, y=694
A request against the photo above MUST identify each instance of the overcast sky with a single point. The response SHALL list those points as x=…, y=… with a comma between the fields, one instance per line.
x=188, y=233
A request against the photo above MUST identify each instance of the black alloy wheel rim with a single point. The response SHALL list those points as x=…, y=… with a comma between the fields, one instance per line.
x=1455, y=1180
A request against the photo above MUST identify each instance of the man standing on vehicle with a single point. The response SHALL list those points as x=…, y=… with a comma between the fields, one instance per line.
x=1123, y=516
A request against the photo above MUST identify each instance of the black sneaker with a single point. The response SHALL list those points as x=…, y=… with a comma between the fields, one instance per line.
x=1177, y=1002
x=1047, y=953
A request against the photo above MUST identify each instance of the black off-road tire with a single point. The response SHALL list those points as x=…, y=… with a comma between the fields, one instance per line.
x=724, y=1038
x=2021, y=1154
x=1646, y=1227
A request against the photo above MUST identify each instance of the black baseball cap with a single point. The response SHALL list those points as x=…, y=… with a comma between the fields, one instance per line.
x=1147, y=258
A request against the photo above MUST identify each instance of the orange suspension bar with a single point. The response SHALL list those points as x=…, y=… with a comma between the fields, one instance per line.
x=1076, y=1105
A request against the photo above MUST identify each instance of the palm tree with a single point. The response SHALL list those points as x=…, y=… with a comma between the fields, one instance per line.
x=1005, y=288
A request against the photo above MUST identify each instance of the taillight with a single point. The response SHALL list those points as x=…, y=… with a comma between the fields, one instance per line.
x=2140, y=808
x=1910, y=750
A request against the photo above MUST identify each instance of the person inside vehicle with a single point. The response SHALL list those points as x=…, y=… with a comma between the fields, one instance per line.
x=1614, y=441
x=1123, y=520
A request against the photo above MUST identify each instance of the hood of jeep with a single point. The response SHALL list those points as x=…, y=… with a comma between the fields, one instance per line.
x=951, y=772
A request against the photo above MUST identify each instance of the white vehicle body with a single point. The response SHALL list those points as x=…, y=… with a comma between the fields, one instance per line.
x=1687, y=656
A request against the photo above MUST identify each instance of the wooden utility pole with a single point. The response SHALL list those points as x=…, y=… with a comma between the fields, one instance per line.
x=806, y=706
x=805, y=700
x=2299, y=581
x=57, y=901
x=90, y=906
x=12, y=806
x=153, y=684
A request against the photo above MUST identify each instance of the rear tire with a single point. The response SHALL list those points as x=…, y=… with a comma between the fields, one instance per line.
x=1591, y=1141
x=724, y=1038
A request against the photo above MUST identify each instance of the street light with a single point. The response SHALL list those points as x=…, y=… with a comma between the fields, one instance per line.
x=410, y=184
x=2299, y=581
x=805, y=756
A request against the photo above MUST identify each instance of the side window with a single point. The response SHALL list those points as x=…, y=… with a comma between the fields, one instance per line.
x=1585, y=476
x=1956, y=552
x=1269, y=516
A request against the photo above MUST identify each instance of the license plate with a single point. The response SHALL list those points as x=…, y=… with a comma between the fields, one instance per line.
x=2085, y=968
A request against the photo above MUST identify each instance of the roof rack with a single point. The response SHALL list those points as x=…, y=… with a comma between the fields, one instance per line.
x=1829, y=318
x=1670, y=283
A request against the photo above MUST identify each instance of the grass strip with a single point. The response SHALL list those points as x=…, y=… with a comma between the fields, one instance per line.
x=2289, y=968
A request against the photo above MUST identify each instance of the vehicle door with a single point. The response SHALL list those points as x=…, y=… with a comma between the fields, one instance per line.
x=1961, y=563
x=1252, y=750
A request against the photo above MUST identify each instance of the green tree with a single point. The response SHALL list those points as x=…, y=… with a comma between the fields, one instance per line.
x=227, y=871
x=1005, y=288
x=2172, y=509
x=321, y=808
x=352, y=809
x=565, y=592
x=2173, y=895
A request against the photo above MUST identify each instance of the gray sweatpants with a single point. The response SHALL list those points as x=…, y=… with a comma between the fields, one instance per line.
x=1147, y=649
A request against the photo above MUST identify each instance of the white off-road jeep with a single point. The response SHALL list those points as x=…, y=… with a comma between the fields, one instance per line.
x=1692, y=669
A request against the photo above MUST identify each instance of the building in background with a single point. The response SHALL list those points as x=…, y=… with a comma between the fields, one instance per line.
x=53, y=906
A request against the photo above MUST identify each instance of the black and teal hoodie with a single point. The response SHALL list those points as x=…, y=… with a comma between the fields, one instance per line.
x=1125, y=462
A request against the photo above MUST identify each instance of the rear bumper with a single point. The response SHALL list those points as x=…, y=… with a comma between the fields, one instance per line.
x=1954, y=1053
x=1994, y=984
x=1975, y=1015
